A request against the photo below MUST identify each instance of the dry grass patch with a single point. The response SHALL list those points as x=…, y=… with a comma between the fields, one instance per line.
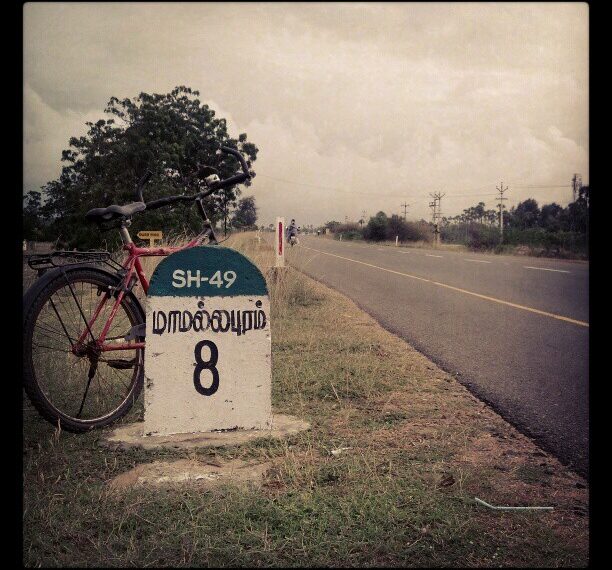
x=386, y=476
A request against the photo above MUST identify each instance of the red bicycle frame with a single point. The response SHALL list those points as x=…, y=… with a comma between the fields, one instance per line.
x=132, y=265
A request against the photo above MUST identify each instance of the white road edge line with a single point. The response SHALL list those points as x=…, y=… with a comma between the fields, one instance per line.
x=478, y=261
x=458, y=289
x=430, y=255
x=545, y=269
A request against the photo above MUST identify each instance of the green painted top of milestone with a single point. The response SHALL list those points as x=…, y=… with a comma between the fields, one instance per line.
x=207, y=271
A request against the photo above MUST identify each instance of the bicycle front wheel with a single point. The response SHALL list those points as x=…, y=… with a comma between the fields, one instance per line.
x=74, y=383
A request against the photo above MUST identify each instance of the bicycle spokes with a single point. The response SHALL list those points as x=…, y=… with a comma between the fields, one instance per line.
x=92, y=370
x=67, y=357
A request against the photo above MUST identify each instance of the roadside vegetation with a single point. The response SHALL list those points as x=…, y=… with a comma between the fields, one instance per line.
x=550, y=231
x=386, y=476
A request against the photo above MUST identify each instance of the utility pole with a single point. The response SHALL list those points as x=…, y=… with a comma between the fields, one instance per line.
x=501, y=198
x=436, y=215
x=576, y=185
x=405, y=206
x=433, y=206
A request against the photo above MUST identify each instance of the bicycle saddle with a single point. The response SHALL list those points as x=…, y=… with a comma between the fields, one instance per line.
x=114, y=212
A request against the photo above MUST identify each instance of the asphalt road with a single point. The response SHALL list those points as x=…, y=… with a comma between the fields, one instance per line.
x=513, y=329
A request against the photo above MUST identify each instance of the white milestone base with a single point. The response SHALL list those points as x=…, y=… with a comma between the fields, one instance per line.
x=242, y=400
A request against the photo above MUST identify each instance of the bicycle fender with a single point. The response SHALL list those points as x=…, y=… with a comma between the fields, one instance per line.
x=51, y=274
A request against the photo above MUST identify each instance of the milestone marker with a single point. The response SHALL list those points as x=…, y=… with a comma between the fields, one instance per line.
x=208, y=356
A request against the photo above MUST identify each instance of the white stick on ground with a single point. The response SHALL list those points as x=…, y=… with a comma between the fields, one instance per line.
x=512, y=508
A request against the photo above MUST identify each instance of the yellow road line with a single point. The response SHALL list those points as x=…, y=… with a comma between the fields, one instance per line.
x=465, y=291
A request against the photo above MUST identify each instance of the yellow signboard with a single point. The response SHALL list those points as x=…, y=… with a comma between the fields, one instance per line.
x=150, y=235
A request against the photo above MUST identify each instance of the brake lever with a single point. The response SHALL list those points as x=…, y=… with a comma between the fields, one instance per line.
x=141, y=184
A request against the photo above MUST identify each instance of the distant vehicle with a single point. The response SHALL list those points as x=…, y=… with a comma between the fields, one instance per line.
x=292, y=232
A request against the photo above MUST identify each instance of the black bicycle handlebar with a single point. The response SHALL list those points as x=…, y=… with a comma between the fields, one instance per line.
x=214, y=186
x=237, y=179
x=160, y=202
x=239, y=156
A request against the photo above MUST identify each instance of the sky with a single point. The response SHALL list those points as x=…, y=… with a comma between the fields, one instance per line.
x=355, y=107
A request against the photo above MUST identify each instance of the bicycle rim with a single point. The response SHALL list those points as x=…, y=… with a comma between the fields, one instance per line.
x=91, y=389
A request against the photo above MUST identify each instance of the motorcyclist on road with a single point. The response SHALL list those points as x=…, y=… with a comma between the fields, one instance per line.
x=292, y=231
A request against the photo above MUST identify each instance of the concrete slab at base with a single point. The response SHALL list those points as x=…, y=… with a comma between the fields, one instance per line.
x=132, y=435
x=187, y=471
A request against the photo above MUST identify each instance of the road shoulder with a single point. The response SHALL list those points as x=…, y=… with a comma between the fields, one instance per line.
x=387, y=476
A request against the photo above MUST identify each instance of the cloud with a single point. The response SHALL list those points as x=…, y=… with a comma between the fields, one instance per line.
x=374, y=99
x=46, y=132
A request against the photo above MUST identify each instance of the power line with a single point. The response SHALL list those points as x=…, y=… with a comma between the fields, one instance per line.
x=335, y=189
x=330, y=188
x=353, y=192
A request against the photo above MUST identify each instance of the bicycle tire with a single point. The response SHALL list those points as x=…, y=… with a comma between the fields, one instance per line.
x=36, y=327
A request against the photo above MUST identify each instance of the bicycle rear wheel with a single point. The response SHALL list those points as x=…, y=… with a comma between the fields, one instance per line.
x=89, y=389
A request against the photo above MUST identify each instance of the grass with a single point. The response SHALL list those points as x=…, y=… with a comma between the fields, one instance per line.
x=419, y=449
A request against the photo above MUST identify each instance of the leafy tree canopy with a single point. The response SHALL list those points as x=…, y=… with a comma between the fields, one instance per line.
x=245, y=215
x=31, y=215
x=526, y=214
x=377, y=227
x=168, y=134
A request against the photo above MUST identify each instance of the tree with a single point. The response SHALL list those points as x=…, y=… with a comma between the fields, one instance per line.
x=245, y=215
x=584, y=195
x=332, y=226
x=526, y=214
x=551, y=217
x=170, y=135
x=32, y=220
x=575, y=217
x=479, y=212
x=396, y=226
x=377, y=227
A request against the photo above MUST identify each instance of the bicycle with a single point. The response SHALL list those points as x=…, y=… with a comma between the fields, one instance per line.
x=70, y=326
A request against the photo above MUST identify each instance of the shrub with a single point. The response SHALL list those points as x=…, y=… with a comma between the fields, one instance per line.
x=381, y=228
x=351, y=235
x=416, y=231
x=480, y=236
x=349, y=231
